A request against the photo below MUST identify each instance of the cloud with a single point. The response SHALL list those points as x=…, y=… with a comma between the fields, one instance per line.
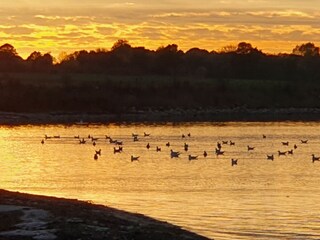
x=200, y=24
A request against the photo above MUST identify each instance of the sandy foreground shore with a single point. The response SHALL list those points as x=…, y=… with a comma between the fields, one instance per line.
x=26, y=216
x=176, y=115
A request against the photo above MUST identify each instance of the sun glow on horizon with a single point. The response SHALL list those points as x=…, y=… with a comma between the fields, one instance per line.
x=67, y=27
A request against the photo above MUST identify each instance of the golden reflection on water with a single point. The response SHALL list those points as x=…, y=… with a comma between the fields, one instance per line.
x=255, y=199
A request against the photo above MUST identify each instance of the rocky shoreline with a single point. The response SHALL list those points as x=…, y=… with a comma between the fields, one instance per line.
x=176, y=115
x=27, y=216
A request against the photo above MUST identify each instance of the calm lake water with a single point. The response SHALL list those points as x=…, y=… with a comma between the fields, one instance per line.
x=256, y=199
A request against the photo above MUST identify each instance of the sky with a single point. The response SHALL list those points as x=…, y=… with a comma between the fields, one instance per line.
x=274, y=26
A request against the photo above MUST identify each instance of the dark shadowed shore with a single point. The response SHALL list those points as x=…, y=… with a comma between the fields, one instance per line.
x=26, y=216
x=177, y=115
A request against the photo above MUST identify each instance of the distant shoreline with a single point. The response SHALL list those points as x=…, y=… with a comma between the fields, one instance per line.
x=216, y=115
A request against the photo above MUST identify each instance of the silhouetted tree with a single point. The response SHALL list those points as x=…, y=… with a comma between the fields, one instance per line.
x=40, y=62
x=307, y=49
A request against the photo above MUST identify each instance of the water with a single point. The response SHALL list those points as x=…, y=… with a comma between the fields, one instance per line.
x=257, y=199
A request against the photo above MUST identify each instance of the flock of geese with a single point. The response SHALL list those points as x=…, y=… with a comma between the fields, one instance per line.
x=218, y=151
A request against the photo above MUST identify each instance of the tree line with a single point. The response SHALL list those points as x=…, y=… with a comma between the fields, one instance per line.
x=125, y=79
x=241, y=62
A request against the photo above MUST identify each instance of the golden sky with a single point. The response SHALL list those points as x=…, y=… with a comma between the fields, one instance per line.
x=68, y=25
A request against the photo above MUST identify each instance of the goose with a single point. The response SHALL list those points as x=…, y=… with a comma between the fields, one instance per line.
x=117, y=150
x=270, y=157
x=295, y=146
x=183, y=136
x=314, y=158
x=234, y=162
x=219, y=145
x=219, y=152
x=94, y=143
x=134, y=158
x=146, y=134
x=47, y=137
x=282, y=153
x=158, y=149
x=189, y=134
x=186, y=147
x=95, y=156
x=192, y=157
x=42, y=141
x=168, y=144
x=174, y=154
x=304, y=141
x=148, y=146
x=205, y=154
x=112, y=141
x=250, y=148
x=98, y=152
x=285, y=143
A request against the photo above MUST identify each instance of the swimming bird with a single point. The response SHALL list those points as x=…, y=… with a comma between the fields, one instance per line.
x=189, y=134
x=82, y=141
x=192, y=157
x=285, y=143
x=224, y=142
x=232, y=143
x=134, y=135
x=174, y=154
x=42, y=141
x=295, y=146
x=219, y=152
x=186, y=147
x=290, y=152
x=168, y=144
x=146, y=134
x=270, y=157
x=135, y=139
x=234, y=162
x=134, y=158
x=94, y=143
x=205, y=154
x=250, y=148
x=117, y=150
x=314, y=158
x=264, y=136
x=47, y=137
x=95, y=156
x=98, y=152
x=219, y=145
x=304, y=141
x=282, y=153
x=148, y=146
x=183, y=136
x=158, y=149
x=118, y=142
x=77, y=136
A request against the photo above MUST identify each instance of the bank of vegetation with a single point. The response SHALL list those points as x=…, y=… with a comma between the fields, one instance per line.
x=128, y=79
